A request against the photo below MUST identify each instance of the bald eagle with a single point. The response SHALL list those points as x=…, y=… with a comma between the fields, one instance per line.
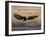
x=24, y=18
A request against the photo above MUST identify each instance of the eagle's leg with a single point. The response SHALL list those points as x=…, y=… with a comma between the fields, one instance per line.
x=24, y=19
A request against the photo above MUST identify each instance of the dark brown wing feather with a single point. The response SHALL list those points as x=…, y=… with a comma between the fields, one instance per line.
x=31, y=17
x=18, y=16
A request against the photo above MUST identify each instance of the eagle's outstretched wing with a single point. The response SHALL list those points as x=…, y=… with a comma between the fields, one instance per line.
x=18, y=16
x=31, y=17
x=24, y=18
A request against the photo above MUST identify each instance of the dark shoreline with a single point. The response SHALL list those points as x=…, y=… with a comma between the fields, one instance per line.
x=38, y=27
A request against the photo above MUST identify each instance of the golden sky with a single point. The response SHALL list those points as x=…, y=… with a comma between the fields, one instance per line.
x=27, y=11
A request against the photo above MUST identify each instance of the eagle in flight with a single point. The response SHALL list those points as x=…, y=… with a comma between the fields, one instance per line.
x=24, y=18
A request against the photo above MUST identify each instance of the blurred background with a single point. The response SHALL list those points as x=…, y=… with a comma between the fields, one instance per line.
x=26, y=11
